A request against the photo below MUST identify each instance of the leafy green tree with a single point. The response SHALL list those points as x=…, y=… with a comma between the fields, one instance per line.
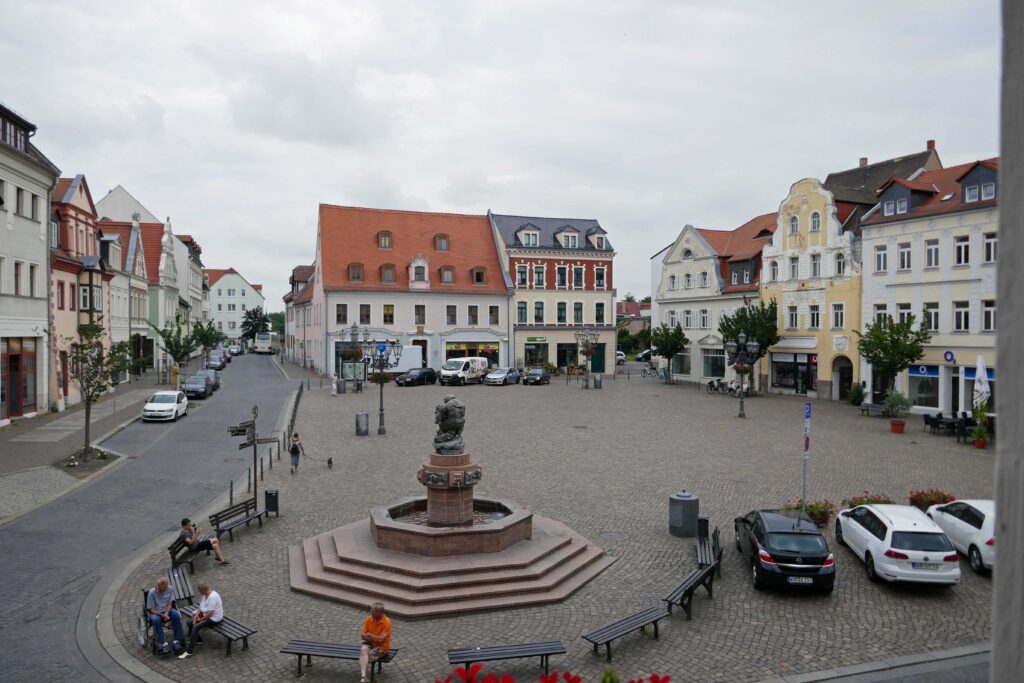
x=93, y=369
x=646, y=300
x=891, y=347
x=277, y=322
x=254, y=322
x=629, y=297
x=178, y=344
x=625, y=340
x=668, y=342
x=206, y=337
x=758, y=320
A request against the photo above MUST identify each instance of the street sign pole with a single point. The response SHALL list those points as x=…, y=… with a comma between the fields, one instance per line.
x=807, y=450
x=252, y=437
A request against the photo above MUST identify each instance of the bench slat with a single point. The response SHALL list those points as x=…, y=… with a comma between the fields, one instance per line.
x=624, y=626
x=491, y=653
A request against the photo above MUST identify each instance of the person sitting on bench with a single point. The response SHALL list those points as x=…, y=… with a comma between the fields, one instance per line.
x=210, y=613
x=376, y=637
x=190, y=535
x=160, y=605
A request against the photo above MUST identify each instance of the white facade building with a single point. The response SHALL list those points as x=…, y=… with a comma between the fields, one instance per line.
x=231, y=295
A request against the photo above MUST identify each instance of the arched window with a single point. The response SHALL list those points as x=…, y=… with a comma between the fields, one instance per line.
x=387, y=273
x=478, y=275
x=815, y=222
x=794, y=225
x=775, y=271
x=688, y=254
x=355, y=272
x=447, y=275
x=840, y=264
x=441, y=242
x=384, y=239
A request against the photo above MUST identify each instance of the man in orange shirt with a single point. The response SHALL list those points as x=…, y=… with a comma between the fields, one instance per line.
x=376, y=637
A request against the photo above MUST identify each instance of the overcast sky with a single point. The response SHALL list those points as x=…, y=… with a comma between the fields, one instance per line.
x=237, y=118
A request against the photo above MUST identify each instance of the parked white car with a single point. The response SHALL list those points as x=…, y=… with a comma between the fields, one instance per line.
x=620, y=357
x=165, y=405
x=970, y=525
x=898, y=543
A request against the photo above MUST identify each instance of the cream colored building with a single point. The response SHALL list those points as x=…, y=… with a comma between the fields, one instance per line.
x=930, y=247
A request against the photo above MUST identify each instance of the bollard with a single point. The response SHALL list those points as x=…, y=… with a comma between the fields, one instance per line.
x=362, y=424
x=270, y=457
x=307, y=384
x=321, y=381
x=231, y=493
x=248, y=481
x=261, y=468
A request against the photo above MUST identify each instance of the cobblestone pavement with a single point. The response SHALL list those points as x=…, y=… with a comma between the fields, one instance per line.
x=23, y=491
x=603, y=462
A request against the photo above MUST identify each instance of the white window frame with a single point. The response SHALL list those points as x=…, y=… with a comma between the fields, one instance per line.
x=903, y=312
x=971, y=194
x=672, y=282
x=888, y=208
x=904, y=260
x=531, y=239
x=840, y=264
x=600, y=278
x=813, y=317
x=931, y=312
x=687, y=281
x=815, y=222
x=961, y=316
x=746, y=276
x=83, y=297
x=815, y=265
x=988, y=191
x=988, y=315
x=583, y=281
x=962, y=250
x=881, y=258
x=991, y=247
x=794, y=267
x=542, y=271
x=704, y=278
x=775, y=271
x=734, y=277
x=599, y=241
x=672, y=319
x=792, y=318
x=570, y=241
x=600, y=313
x=931, y=254
x=561, y=274
x=687, y=319
x=838, y=315
x=705, y=319
x=881, y=311
x=901, y=205
x=794, y=225
x=522, y=275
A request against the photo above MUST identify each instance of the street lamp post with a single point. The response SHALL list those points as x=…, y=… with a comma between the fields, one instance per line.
x=742, y=353
x=586, y=338
x=379, y=356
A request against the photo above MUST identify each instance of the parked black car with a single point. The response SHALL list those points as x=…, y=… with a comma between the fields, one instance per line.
x=213, y=375
x=537, y=376
x=644, y=356
x=416, y=376
x=785, y=548
x=198, y=386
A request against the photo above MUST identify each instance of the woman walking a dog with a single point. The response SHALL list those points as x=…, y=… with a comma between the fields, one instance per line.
x=295, y=450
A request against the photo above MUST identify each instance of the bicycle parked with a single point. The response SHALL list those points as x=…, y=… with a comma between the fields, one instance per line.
x=650, y=371
x=720, y=386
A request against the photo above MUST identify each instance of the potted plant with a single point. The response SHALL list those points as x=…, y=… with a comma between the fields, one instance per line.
x=980, y=435
x=867, y=498
x=924, y=499
x=856, y=395
x=894, y=403
x=819, y=511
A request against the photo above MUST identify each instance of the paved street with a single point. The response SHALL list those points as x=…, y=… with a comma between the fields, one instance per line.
x=55, y=555
x=604, y=463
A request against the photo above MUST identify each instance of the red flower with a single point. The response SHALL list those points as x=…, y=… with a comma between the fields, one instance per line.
x=549, y=678
x=655, y=678
x=569, y=678
x=468, y=676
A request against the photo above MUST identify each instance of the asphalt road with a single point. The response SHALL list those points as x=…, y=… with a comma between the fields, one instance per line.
x=52, y=558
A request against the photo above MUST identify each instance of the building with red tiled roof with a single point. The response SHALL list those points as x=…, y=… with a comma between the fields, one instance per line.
x=427, y=280
x=296, y=315
x=930, y=249
x=231, y=297
x=703, y=276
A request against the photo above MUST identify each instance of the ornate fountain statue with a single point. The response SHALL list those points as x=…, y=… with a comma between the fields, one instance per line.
x=450, y=417
x=449, y=475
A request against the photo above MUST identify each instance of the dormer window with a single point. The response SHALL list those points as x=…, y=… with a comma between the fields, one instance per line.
x=599, y=241
x=971, y=194
x=735, y=277
x=530, y=239
x=901, y=205
x=478, y=275
x=447, y=275
x=387, y=273
x=888, y=208
x=441, y=242
x=355, y=272
x=419, y=274
x=988, y=191
x=384, y=239
x=794, y=225
x=570, y=241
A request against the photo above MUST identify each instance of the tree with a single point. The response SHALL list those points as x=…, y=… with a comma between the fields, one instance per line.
x=94, y=369
x=646, y=300
x=629, y=297
x=667, y=342
x=759, y=321
x=891, y=347
x=179, y=345
x=277, y=322
x=254, y=322
x=207, y=337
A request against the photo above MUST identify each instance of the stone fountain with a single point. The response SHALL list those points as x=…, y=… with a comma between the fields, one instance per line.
x=448, y=551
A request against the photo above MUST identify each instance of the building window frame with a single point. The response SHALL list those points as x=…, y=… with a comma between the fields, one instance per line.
x=881, y=258
x=991, y=247
x=961, y=316
x=388, y=314
x=813, y=317
x=988, y=191
x=815, y=222
x=341, y=314
x=792, y=318
x=451, y=314
x=931, y=254
x=385, y=239
x=561, y=277
x=931, y=313
x=794, y=225
x=988, y=315
x=838, y=315
x=962, y=250
x=971, y=194
x=904, y=261
x=522, y=275
x=355, y=272
x=815, y=265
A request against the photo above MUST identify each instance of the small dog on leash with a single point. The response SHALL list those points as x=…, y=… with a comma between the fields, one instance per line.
x=330, y=463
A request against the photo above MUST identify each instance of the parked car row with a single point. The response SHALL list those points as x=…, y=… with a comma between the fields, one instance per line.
x=896, y=543
x=461, y=371
x=170, y=405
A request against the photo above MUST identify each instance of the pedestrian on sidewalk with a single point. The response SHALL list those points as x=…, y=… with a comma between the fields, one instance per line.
x=295, y=450
x=160, y=605
x=334, y=384
x=210, y=613
x=190, y=535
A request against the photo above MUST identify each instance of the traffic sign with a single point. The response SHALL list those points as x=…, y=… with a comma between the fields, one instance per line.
x=243, y=446
x=807, y=410
x=247, y=424
x=266, y=440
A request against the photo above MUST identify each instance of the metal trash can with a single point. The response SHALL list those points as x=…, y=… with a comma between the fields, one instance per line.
x=341, y=385
x=703, y=526
x=362, y=424
x=359, y=386
x=598, y=380
x=270, y=502
x=683, y=509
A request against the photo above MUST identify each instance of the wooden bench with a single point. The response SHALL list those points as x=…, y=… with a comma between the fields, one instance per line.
x=182, y=554
x=230, y=629
x=182, y=584
x=880, y=411
x=682, y=594
x=709, y=552
x=636, y=622
x=236, y=515
x=542, y=649
x=314, y=648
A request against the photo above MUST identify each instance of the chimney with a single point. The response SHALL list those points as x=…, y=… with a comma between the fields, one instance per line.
x=863, y=162
x=931, y=145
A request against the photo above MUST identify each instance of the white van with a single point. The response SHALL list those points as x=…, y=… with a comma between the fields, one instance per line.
x=412, y=357
x=463, y=370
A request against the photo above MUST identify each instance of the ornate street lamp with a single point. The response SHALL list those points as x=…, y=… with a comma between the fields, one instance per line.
x=380, y=356
x=742, y=354
x=586, y=339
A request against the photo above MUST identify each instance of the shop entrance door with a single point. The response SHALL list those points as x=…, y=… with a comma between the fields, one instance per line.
x=597, y=362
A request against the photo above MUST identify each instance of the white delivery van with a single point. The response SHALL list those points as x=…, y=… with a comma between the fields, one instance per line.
x=412, y=357
x=463, y=370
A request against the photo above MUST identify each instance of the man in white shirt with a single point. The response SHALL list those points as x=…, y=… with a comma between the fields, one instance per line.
x=210, y=612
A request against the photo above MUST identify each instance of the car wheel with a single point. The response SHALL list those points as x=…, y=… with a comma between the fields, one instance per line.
x=974, y=555
x=755, y=575
x=827, y=590
x=839, y=534
x=869, y=568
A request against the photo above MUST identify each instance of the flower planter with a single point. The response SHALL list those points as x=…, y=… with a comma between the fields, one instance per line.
x=981, y=443
x=897, y=426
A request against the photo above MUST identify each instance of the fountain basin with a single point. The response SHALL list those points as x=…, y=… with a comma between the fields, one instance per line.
x=497, y=532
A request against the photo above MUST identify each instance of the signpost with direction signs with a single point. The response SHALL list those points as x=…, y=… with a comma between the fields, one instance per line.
x=248, y=430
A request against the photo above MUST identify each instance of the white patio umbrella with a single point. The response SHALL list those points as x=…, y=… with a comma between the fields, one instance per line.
x=981, y=390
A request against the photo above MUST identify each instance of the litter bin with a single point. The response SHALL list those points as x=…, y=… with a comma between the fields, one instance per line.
x=683, y=508
x=598, y=380
x=359, y=386
x=270, y=502
x=362, y=424
x=341, y=385
x=703, y=524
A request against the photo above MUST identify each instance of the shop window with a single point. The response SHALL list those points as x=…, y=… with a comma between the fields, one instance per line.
x=714, y=362
x=681, y=363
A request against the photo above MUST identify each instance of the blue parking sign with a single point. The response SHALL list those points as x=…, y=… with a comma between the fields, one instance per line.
x=807, y=410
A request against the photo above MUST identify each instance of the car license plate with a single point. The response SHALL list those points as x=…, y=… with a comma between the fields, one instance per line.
x=924, y=565
x=799, y=579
